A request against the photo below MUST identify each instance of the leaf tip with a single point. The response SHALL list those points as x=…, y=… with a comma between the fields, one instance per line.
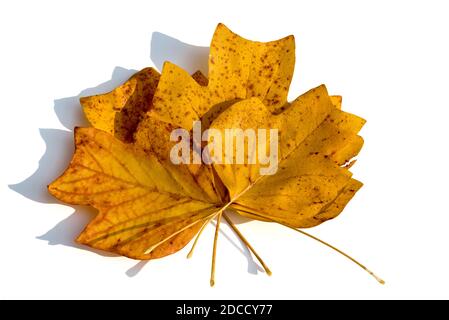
x=81, y=239
x=51, y=188
x=83, y=100
x=290, y=37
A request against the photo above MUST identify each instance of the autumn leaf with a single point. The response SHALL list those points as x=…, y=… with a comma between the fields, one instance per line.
x=238, y=69
x=149, y=207
x=310, y=177
x=141, y=200
x=123, y=112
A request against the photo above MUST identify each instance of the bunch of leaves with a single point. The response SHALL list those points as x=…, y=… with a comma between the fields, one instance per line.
x=149, y=207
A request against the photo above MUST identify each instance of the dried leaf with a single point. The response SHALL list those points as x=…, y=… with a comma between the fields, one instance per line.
x=120, y=111
x=149, y=207
x=123, y=112
x=238, y=69
x=309, y=178
x=141, y=200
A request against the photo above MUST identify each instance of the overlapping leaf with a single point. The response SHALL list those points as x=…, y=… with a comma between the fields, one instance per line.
x=315, y=138
x=141, y=200
x=149, y=207
x=238, y=69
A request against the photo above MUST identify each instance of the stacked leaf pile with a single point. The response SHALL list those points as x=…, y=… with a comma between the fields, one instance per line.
x=149, y=207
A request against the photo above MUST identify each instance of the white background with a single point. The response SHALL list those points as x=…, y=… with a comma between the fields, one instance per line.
x=389, y=60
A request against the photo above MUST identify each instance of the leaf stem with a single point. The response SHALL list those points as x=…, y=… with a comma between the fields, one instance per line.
x=189, y=255
x=237, y=231
x=174, y=234
x=214, y=251
x=378, y=279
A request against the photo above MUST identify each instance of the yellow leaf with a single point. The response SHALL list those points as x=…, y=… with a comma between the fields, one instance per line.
x=120, y=111
x=141, y=200
x=238, y=69
x=309, y=177
x=149, y=207
x=153, y=136
x=123, y=113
